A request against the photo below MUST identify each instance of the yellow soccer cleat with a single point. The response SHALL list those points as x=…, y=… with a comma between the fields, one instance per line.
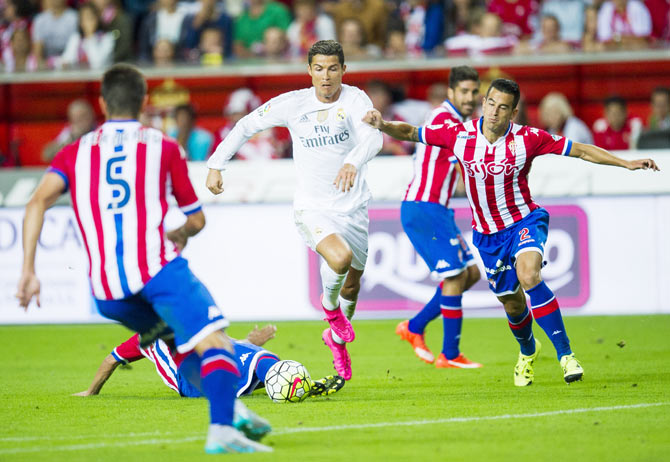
x=572, y=370
x=523, y=371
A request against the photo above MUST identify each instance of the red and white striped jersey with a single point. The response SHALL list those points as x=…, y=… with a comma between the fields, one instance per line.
x=435, y=173
x=496, y=174
x=119, y=178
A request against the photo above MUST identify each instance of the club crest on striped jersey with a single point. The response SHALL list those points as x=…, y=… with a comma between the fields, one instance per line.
x=512, y=147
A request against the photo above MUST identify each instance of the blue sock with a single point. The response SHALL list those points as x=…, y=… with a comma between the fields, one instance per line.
x=188, y=370
x=264, y=364
x=452, y=318
x=219, y=375
x=429, y=312
x=548, y=316
x=522, y=328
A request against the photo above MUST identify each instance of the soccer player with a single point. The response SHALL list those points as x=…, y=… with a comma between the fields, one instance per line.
x=430, y=226
x=254, y=363
x=510, y=229
x=119, y=177
x=331, y=147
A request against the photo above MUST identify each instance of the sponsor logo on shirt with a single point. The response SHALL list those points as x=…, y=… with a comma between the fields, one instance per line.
x=556, y=137
x=480, y=169
x=466, y=137
x=324, y=139
x=244, y=357
x=441, y=264
x=264, y=110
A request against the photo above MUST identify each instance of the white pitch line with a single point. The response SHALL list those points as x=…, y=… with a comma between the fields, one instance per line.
x=287, y=431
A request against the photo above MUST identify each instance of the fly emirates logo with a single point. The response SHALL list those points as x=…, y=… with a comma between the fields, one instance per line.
x=323, y=137
x=480, y=169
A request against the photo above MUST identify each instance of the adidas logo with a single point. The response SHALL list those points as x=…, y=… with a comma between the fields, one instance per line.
x=244, y=357
x=441, y=264
x=303, y=119
x=556, y=332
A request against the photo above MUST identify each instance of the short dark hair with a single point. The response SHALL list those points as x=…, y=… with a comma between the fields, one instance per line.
x=326, y=48
x=187, y=108
x=615, y=99
x=123, y=89
x=506, y=86
x=461, y=74
x=661, y=91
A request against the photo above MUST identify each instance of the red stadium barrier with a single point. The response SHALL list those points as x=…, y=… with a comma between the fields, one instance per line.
x=32, y=114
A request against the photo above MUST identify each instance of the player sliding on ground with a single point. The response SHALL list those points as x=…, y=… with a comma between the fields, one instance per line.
x=331, y=147
x=254, y=363
x=510, y=230
x=119, y=177
x=430, y=226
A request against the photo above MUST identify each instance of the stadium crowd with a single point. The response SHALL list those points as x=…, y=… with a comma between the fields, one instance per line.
x=59, y=34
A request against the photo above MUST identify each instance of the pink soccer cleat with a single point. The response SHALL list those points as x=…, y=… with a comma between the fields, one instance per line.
x=339, y=323
x=341, y=358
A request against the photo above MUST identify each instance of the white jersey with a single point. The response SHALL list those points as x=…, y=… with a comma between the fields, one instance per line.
x=325, y=136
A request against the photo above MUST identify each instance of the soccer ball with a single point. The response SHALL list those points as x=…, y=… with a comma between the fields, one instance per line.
x=288, y=382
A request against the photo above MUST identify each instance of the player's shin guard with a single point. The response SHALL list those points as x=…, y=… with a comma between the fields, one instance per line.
x=264, y=364
x=548, y=315
x=452, y=318
x=522, y=328
x=219, y=375
x=429, y=312
x=332, y=283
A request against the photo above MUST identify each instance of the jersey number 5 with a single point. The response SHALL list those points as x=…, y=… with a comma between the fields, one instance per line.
x=120, y=187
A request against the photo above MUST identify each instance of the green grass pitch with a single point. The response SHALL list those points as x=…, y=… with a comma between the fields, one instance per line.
x=395, y=408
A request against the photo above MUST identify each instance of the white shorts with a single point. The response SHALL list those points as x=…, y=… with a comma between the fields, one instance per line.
x=314, y=225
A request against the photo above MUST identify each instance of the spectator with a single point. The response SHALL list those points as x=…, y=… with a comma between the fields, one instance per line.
x=351, y=36
x=210, y=15
x=459, y=14
x=485, y=38
x=163, y=53
x=373, y=15
x=424, y=25
x=81, y=120
x=558, y=119
x=590, y=41
x=396, y=47
x=116, y=21
x=382, y=99
x=616, y=130
x=548, y=40
x=250, y=26
x=518, y=16
x=51, y=30
x=196, y=141
x=308, y=27
x=275, y=44
x=15, y=15
x=18, y=57
x=268, y=144
x=624, y=24
x=163, y=24
x=659, y=119
x=437, y=94
x=90, y=46
x=570, y=16
x=210, y=49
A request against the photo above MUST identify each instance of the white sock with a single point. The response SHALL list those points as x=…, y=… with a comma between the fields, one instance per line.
x=332, y=283
x=336, y=338
x=348, y=307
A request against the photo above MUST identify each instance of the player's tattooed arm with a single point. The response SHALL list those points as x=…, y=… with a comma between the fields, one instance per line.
x=591, y=153
x=398, y=130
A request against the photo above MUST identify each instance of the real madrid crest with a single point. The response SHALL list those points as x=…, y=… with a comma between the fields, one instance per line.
x=321, y=116
x=340, y=114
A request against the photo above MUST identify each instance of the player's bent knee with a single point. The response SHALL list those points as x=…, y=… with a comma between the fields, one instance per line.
x=529, y=278
x=218, y=340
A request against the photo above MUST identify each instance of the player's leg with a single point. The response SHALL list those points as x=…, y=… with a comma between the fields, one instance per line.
x=187, y=306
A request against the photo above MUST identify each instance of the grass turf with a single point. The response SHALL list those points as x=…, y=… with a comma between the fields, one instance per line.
x=626, y=359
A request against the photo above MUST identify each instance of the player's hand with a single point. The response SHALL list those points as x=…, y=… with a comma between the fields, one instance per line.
x=643, y=164
x=178, y=237
x=260, y=336
x=29, y=287
x=214, y=181
x=373, y=118
x=345, y=178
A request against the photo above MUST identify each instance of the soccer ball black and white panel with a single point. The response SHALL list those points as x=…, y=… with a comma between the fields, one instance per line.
x=287, y=382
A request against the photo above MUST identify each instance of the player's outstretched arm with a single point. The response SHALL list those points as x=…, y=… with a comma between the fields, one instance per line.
x=600, y=156
x=398, y=130
x=259, y=337
x=105, y=371
x=46, y=194
x=194, y=224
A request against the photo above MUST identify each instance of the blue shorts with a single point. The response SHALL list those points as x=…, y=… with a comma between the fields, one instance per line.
x=433, y=232
x=174, y=303
x=498, y=251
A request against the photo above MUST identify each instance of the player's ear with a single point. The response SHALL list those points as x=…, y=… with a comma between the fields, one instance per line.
x=145, y=101
x=309, y=70
x=344, y=68
x=103, y=105
x=515, y=112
